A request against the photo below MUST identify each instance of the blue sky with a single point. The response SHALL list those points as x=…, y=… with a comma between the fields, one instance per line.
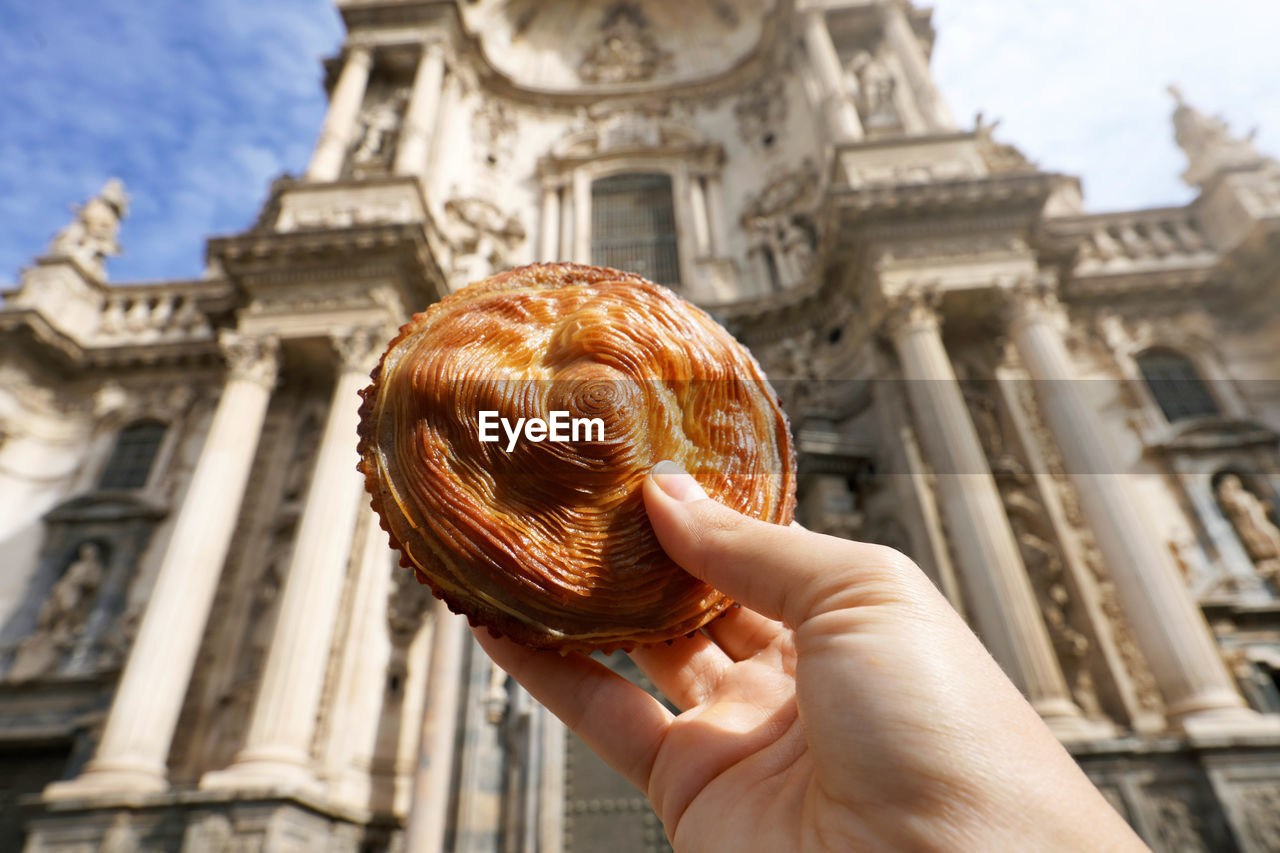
x=197, y=104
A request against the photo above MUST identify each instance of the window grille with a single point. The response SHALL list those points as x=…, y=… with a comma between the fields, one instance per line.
x=633, y=226
x=131, y=459
x=1176, y=385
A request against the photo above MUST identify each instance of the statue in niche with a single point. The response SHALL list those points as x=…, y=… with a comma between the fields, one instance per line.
x=378, y=125
x=1249, y=517
x=91, y=237
x=62, y=617
x=871, y=84
x=1208, y=143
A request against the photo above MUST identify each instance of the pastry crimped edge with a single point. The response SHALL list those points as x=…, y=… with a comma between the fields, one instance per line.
x=479, y=613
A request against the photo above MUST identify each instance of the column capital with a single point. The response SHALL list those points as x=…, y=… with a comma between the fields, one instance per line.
x=359, y=54
x=358, y=348
x=253, y=358
x=913, y=308
x=1032, y=297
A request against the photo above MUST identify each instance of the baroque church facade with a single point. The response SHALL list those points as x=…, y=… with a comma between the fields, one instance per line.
x=1069, y=420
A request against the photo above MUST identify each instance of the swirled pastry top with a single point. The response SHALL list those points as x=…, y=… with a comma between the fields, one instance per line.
x=547, y=542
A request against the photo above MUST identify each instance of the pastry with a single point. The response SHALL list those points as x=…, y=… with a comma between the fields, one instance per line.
x=539, y=533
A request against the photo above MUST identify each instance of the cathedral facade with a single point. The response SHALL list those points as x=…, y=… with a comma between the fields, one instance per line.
x=1070, y=420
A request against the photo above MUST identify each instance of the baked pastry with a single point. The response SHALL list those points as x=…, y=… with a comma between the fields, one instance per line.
x=547, y=541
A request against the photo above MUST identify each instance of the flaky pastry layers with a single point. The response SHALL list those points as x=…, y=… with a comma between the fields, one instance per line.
x=548, y=543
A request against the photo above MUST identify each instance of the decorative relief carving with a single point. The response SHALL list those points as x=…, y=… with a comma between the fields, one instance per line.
x=910, y=173
x=493, y=127
x=251, y=358
x=1261, y=806
x=782, y=228
x=482, y=238
x=62, y=616
x=627, y=52
x=1144, y=684
x=1037, y=544
x=1178, y=827
x=761, y=110
x=91, y=236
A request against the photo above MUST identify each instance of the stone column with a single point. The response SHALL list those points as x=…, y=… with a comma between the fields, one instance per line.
x=420, y=116
x=549, y=242
x=1200, y=694
x=429, y=810
x=1000, y=592
x=903, y=42
x=842, y=118
x=701, y=222
x=340, y=121
x=139, y=728
x=361, y=674
x=277, y=749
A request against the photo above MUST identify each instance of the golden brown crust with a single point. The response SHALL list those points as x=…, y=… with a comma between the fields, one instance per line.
x=549, y=543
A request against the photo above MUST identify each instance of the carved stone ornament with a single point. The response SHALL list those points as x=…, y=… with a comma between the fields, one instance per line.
x=251, y=358
x=1208, y=143
x=482, y=238
x=1001, y=158
x=358, y=348
x=1262, y=815
x=627, y=52
x=493, y=128
x=407, y=606
x=915, y=307
x=761, y=109
x=91, y=236
x=790, y=191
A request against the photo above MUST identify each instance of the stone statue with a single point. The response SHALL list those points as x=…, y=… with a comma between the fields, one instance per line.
x=91, y=237
x=62, y=616
x=379, y=123
x=873, y=92
x=1249, y=517
x=1208, y=143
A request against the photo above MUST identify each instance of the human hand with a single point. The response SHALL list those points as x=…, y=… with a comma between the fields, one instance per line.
x=844, y=706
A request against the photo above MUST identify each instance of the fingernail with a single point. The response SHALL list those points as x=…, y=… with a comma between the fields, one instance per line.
x=676, y=482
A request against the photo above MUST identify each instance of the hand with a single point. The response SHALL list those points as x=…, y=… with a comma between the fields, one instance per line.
x=844, y=706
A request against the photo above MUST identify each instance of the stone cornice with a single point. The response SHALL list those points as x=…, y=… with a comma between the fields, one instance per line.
x=967, y=197
x=401, y=250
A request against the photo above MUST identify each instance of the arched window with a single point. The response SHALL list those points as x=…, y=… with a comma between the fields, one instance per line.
x=633, y=226
x=133, y=455
x=1176, y=385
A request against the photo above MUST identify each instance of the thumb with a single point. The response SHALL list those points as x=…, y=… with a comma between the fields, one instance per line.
x=785, y=573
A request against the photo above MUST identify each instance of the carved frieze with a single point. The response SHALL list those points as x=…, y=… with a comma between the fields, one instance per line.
x=761, y=111
x=627, y=51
